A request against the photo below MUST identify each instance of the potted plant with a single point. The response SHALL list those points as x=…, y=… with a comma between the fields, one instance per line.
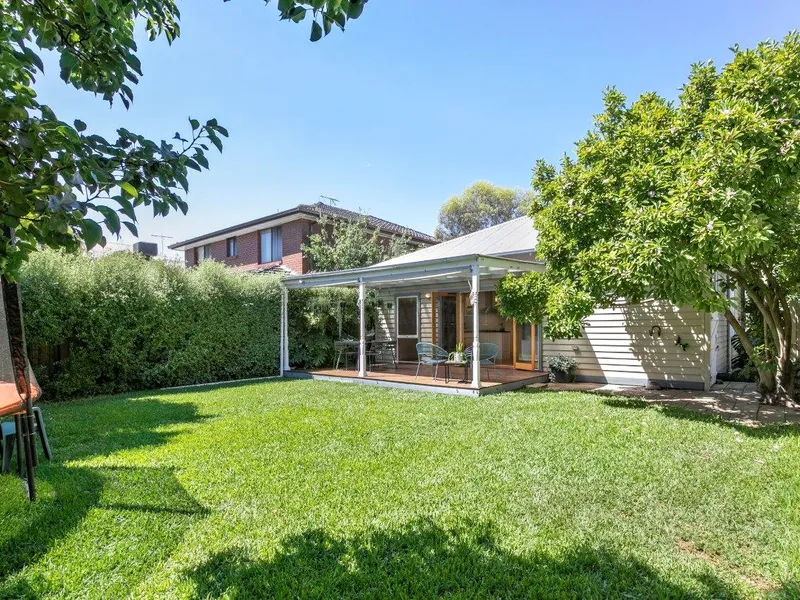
x=458, y=355
x=562, y=368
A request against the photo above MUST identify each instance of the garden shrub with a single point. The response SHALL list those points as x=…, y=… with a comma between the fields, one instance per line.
x=127, y=323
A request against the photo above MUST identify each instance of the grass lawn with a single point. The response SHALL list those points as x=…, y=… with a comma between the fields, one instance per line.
x=318, y=489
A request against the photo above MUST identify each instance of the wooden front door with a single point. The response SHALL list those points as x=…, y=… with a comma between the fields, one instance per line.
x=524, y=345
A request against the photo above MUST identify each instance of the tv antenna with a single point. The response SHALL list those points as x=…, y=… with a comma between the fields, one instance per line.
x=331, y=201
x=163, y=237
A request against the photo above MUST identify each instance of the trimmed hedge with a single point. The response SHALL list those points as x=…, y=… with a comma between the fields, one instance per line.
x=124, y=322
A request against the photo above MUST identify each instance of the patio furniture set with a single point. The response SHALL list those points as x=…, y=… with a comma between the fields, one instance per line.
x=380, y=353
x=433, y=356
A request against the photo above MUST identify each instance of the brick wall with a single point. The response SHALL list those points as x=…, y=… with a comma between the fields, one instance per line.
x=293, y=235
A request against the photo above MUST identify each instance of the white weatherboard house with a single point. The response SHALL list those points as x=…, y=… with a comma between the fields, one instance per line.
x=445, y=295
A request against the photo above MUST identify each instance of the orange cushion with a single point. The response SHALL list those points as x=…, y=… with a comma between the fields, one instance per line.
x=10, y=401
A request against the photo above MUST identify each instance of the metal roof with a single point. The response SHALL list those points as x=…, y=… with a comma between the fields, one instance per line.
x=440, y=270
x=512, y=237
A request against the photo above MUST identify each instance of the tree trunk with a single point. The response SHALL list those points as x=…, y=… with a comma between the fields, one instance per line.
x=777, y=382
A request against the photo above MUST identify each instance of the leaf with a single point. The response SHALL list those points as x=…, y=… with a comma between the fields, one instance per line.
x=111, y=217
x=183, y=181
x=128, y=189
x=92, y=233
x=297, y=14
x=192, y=164
x=316, y=32
x=355, y=9
x=201, y=158
x=127, y=207
x=327, y=23
x=132, y=228
x=195, y=124
x=80, y=125
x=214, y=139
x=340, y=19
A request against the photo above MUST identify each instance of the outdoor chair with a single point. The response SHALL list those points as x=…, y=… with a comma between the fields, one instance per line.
x=431, y=355
x=18, y=386
x=488, y=356
x=8, y=435
x=345, y=348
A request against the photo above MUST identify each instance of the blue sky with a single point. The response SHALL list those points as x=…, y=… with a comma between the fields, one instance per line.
x=415, y=101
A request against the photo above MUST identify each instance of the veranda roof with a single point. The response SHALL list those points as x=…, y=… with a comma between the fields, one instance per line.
x=490, y=249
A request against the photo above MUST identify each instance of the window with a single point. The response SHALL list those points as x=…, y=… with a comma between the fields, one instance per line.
x=407, y=316
x=231, y=245
x=202, y=253
x=271, y=245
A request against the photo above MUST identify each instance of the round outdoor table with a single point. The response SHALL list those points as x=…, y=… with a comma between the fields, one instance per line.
x=453, y=363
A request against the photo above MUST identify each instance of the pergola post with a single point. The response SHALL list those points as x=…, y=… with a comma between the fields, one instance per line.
x=362, y=328
x=284, y=358
x=476, y=326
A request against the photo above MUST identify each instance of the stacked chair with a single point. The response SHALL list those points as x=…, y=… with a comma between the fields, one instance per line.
x=18, y=387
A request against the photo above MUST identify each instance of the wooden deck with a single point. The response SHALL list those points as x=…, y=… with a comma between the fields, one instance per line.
x=402, y=376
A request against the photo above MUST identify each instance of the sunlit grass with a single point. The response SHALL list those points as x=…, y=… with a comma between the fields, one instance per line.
x=315, y=489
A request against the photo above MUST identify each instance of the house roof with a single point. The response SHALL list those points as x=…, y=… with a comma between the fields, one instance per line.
x=314, y=210
x=512, y=237
x=494, y=251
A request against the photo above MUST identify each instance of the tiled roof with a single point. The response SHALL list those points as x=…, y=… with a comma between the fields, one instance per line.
x=383, y=225
x=311, y=209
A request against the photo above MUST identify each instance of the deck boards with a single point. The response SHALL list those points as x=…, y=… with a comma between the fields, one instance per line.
x=403, y=374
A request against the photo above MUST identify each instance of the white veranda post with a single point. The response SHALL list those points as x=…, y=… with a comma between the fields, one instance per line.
x=474, y=297
x=362, y=327
x=284, y=336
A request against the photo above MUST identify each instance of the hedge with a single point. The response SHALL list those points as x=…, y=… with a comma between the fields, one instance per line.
x=124, y=322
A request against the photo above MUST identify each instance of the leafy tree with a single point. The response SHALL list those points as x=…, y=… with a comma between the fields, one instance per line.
x=682, y=202
x=345, y=244
x=58, y=181
x=481, y=205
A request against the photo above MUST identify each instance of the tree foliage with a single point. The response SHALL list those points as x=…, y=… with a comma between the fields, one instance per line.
x=481, y=205
x=59, y=182
x=682, y=202
x=345, y=244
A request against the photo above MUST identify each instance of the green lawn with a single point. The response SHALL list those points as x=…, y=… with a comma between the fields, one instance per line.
x=315, y=489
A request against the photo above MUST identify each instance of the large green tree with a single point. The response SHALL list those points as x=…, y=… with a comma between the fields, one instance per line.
x=682, y=201
x=481, y=205
x=59, y=182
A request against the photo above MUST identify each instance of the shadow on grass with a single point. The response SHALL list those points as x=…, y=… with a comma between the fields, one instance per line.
x=69, y=493
x=758, y=430
x=755, y=430
x=424, y=560
x=110, y=425
x=148, y=511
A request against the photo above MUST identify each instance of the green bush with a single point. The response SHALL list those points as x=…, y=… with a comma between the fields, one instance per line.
x=126, y=323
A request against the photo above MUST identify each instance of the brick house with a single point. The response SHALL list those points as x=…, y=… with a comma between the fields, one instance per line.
x=274, y=242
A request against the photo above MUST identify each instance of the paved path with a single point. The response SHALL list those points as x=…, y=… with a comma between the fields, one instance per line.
x=730, y=400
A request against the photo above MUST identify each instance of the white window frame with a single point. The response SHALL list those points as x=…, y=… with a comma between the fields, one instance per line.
x=397, y=317
x=261, y=235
